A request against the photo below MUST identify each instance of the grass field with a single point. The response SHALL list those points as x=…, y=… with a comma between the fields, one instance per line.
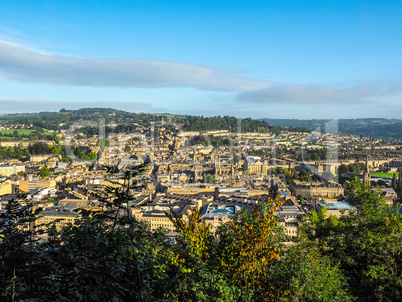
x=7, y=138
x=21, y=131
x=380, y=174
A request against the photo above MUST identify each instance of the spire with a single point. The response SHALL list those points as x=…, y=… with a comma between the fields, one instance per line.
x=366, y=173
x=217, y=164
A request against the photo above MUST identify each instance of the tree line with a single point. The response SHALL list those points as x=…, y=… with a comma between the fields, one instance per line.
x=66, y=118
x=101, y=257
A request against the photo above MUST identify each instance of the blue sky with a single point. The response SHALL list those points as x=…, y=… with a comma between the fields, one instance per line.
x=277, y=59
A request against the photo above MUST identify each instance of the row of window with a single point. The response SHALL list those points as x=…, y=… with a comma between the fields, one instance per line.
x=290, y=216
x=161, y=225
x=51, y=219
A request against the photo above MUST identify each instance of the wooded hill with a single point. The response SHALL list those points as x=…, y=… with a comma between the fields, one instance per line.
x=65, y=118
x=368, y=127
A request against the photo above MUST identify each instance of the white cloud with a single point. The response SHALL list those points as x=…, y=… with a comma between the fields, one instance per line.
x=316, y=94
x=20, y=62
x=26, y=65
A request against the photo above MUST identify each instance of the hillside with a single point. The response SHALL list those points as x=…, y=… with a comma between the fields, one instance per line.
x=65, y=118
x=369, y=127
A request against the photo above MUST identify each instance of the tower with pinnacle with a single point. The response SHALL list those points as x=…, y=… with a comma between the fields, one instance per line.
x=366, y=173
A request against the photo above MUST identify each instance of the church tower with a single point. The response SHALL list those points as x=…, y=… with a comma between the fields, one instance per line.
x=366, y=173
x=217, y=164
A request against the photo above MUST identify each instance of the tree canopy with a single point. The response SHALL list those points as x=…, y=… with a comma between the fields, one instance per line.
x=44, y=172
x=107, y=256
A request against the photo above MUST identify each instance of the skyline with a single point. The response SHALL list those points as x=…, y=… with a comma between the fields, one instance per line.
x=283, y=60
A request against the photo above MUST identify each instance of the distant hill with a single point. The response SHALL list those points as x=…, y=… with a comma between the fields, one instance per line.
x=369, y=127
x=64, y=119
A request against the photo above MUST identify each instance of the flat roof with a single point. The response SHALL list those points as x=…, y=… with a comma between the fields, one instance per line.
x=288, y=208
x=337, y=205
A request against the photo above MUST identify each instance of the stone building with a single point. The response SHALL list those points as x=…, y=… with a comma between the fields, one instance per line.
x=316, y=189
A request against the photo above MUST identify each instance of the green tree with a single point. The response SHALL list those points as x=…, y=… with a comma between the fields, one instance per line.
x=232, y=268
x=208, y=178
x=44, y=172
x=343, y=169
x=365, y=243
x=305, y=175
x=21, y=253
x=393, y=183
x=399, y=186
x=57, y=150
x=327, y=175
x=248, y=245
x=303, y=273
x=92, y=155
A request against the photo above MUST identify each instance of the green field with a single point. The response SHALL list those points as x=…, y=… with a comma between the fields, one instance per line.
x=7, y=138
x=21, y=131
x=380, y=174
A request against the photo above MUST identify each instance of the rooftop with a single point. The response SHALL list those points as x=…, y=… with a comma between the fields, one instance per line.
x=335, y=205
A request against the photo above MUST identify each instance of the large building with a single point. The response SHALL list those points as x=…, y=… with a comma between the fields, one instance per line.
x=89, y=205
x=8, y=170
x=153, y=214
x=254, y=165
x=60, y=216
x=189, y=189
x=290, y=218
x=389, y=195
x=316, y=189
x=30, y=184
x=24, y=143
x=39, y=158
x=217, y=213
x=334, y=208
x=5, y=188
x=231, y=191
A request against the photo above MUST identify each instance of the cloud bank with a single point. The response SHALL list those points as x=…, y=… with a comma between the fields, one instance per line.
x=314, y=94
x=21, y=64
x=25, y=65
